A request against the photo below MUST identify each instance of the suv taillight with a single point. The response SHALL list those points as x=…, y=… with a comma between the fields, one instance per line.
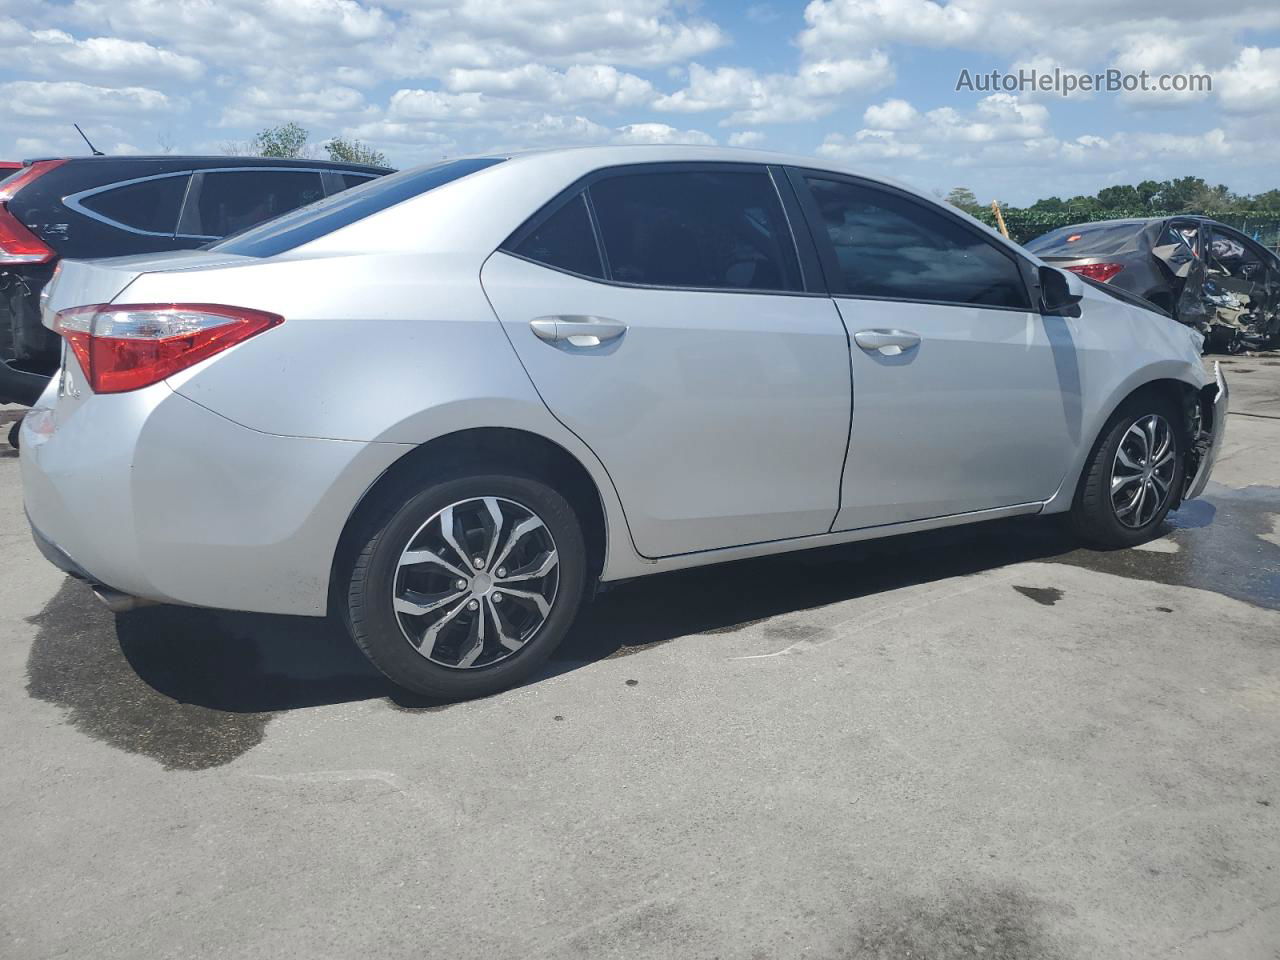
x=18, y=245
x=124, y=347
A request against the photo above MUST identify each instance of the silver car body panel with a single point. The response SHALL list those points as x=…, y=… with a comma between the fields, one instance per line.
x=230, y=484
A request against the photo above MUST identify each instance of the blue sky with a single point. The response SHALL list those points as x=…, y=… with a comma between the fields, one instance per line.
x=868, y=83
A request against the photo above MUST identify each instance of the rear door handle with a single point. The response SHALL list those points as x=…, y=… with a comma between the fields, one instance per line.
x=889, y=342
x=578, y=331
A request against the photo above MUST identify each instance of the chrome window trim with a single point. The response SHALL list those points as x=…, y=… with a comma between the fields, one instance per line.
x=74, y=201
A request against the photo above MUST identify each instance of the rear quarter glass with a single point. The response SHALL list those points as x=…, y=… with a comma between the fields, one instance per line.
x=309, y=223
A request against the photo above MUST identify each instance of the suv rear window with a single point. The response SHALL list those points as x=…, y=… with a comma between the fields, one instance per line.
x=148, y=205
x=1087, y=240
x=302, y=226
x=233, y=200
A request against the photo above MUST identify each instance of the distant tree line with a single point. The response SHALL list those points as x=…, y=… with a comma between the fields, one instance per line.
x=291, y=140
x=1256, y=214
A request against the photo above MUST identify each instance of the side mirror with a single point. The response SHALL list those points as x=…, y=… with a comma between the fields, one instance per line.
x=1060, y=292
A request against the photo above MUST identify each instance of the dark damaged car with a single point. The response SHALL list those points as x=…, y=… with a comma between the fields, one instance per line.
x=1201, y=272
x=92, y=207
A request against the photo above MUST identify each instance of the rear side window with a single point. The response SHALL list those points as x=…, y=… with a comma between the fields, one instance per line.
x=342, y=209
x=151, y=206
x=703, y=229
x=889, y=246
x=565, y=240
x=231, y=201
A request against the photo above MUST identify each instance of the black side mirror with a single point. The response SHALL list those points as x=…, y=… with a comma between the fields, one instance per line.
x=1060, y=292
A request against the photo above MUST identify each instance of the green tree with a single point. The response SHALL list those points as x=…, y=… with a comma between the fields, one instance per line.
x=354, y=151
x=964, y=198
x=286, y=140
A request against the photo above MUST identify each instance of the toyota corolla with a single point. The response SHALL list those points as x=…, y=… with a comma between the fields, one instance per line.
x=444, y=405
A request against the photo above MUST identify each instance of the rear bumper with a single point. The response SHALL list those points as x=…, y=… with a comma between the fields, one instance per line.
x=154, y=496
x=1220, y=407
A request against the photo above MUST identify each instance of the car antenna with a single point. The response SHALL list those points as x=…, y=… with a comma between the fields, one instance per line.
x=96, y=151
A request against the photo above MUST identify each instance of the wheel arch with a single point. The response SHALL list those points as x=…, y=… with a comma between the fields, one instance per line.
x=490, y=447
x=1183, y=392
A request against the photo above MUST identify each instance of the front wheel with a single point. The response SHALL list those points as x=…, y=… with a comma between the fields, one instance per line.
x=466, y=586
x=1132, y=474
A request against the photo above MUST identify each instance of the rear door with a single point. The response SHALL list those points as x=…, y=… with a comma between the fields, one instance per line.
x=663, y=316
x=965, y=398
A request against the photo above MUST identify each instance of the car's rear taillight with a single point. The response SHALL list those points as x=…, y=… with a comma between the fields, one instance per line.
x=18, y=245
x=1102, y=272
x=124, y=347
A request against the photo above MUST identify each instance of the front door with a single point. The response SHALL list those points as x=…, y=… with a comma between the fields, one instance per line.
x=965, y=398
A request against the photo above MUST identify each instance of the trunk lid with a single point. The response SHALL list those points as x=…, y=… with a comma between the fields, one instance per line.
x=79, y=283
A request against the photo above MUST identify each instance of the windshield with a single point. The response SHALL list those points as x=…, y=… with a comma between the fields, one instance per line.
x=1087, y=240
x=315, y=220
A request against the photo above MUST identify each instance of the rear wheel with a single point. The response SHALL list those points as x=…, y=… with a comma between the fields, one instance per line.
x=466, y=586
x=1132, y=475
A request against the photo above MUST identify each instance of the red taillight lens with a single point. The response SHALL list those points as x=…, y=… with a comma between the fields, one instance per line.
x=18, y=244
x=19, y=180
x=124, y=347
x=1102, y=272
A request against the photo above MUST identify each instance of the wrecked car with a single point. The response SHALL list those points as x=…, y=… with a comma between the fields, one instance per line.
x=446, y=405
x=1201, y=272
x=97, y=206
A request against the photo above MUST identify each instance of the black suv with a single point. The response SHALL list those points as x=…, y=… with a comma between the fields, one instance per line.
x=87, y=207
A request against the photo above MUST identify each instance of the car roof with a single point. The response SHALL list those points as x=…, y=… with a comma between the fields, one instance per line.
x=1137, y=221
x=208, y=160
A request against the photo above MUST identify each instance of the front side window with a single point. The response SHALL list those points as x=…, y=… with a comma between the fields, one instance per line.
x=891, y=247
x=148, y=205
x=709, y=229
x=233, y=200
x=565, y=240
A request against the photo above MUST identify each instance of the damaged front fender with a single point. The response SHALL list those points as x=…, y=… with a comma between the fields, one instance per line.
x=1208, y=422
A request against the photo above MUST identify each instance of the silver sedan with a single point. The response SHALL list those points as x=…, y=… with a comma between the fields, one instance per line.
x=445, y=404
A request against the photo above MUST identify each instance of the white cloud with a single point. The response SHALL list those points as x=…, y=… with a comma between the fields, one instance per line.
x=596, y=83
x=746, y=138
x=58, y=53
x=660, y=133
x=69, y=98
x=1252, y=83
x=755, y=99
x=891, y=115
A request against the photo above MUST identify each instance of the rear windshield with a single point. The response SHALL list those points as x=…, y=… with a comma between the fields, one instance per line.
x=308, y=223
x=1087, y=240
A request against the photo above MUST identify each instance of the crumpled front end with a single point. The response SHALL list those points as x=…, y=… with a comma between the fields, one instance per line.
x=1207, y=420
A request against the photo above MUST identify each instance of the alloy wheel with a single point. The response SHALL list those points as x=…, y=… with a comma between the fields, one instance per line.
x=1142, y=471
x=476, y=582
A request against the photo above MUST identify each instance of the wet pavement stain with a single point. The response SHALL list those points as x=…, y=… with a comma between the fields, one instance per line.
x=967, y=921
x=1046, y=596
x=197, y=688
x=189, y=688
x=1220, y=547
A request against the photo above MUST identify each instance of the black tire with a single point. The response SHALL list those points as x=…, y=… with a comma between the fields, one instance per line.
x=377, y=544
x=13, y=433
x=1093, y=514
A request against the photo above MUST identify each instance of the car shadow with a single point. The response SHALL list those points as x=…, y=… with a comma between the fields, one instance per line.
x=262, y=664
x=195, y=688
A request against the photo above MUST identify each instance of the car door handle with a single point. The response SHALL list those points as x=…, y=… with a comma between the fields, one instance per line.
x=888, y=342
x=576, y=330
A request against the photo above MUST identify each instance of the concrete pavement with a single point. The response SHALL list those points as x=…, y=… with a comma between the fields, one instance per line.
x=981, y=742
